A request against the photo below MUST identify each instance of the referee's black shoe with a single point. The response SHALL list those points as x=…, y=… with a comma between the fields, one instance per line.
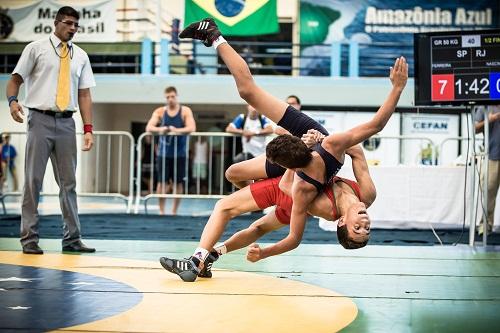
x=32, y=248
x=78, y=246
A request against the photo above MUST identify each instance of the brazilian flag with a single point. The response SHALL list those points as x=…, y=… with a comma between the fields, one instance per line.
x=235, y=17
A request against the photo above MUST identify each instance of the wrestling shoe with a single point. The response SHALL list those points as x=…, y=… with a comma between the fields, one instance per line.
x=205, y=30
x=206, y=271
x=187, y=269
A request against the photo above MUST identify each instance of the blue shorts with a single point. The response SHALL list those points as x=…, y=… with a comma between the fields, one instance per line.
x=165, y=169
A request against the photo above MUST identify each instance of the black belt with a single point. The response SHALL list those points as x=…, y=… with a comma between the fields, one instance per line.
x=56, y=114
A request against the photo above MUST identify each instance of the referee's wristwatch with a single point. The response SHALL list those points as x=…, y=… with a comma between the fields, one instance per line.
x=12, y=99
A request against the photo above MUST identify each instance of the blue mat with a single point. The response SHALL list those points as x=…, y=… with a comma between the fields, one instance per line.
x=188, y=228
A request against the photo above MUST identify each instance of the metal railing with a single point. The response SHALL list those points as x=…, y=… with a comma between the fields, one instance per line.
x=282, y=58
x=105, y=171
x=120, y=57
x=264, y=58
x=209, y=183
x=452, y=139
x=108, y=169
x=204, y=177
x=402, y=138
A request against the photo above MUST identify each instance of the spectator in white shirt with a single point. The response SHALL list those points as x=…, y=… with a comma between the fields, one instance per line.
x=253, y=128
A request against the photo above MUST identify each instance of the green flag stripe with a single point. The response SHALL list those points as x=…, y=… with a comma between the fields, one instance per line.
x=263, y=21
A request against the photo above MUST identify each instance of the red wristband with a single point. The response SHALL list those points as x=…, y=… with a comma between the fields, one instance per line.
x=87, y=129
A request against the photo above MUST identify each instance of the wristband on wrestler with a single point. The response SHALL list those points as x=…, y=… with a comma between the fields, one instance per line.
x=220, y=40
x=12, y=99
x=87, y=129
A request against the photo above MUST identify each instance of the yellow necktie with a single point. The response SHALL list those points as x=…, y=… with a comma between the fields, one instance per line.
x=62, y=96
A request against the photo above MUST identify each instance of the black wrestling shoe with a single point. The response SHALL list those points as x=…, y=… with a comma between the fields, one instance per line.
x=187, y=269
x=205, y=30
x=206, y=272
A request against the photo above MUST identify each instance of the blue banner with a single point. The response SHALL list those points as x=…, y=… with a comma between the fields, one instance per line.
x=383, y=28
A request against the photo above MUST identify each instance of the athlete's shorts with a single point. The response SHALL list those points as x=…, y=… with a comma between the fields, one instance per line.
x=199, y=170
x=165, y=169
x=266, y=193
x=274, y=170
x=297, y=123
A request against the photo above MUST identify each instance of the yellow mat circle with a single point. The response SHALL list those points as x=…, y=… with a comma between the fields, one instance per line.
x=229, y=302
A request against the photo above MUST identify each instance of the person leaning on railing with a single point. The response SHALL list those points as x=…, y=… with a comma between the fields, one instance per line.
x=172, y=150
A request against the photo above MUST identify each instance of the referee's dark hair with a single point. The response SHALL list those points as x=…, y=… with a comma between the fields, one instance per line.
x=67, y=11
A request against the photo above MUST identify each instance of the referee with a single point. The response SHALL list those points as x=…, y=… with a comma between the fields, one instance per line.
x=57, y=76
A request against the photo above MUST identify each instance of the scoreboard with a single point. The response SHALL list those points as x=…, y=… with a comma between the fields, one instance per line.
x=461, y=67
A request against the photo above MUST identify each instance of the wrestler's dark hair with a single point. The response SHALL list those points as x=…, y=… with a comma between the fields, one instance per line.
x=289, y=152
x=346, y=242
x=296, y=98
x=67, y=11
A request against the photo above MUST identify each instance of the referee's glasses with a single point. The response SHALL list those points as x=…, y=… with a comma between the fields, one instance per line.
x=70, y=23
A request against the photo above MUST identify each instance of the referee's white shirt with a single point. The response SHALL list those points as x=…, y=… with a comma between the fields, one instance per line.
x=39, y=67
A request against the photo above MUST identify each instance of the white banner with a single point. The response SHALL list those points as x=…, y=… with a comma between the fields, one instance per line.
x=33, y=20
x=438, y=128
x=377, y=151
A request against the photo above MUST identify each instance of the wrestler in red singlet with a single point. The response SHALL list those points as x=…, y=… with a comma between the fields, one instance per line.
x=267, y=193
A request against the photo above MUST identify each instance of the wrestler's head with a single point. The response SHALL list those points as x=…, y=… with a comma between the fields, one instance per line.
x=353, y=228
x=289, y=152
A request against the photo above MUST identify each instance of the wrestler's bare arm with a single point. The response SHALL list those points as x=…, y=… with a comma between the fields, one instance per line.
x=286, y=182
x=362, y=175
x=339, y=142
x=312, y=137
x=303, y=194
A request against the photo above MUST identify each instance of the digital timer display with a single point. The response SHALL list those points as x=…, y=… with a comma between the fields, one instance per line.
x=457, y=67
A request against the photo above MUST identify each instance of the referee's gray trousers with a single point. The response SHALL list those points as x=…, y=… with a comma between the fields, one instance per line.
x=53, y=137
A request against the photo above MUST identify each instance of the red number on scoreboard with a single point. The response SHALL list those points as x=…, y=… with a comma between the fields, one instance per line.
x=443, y=88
